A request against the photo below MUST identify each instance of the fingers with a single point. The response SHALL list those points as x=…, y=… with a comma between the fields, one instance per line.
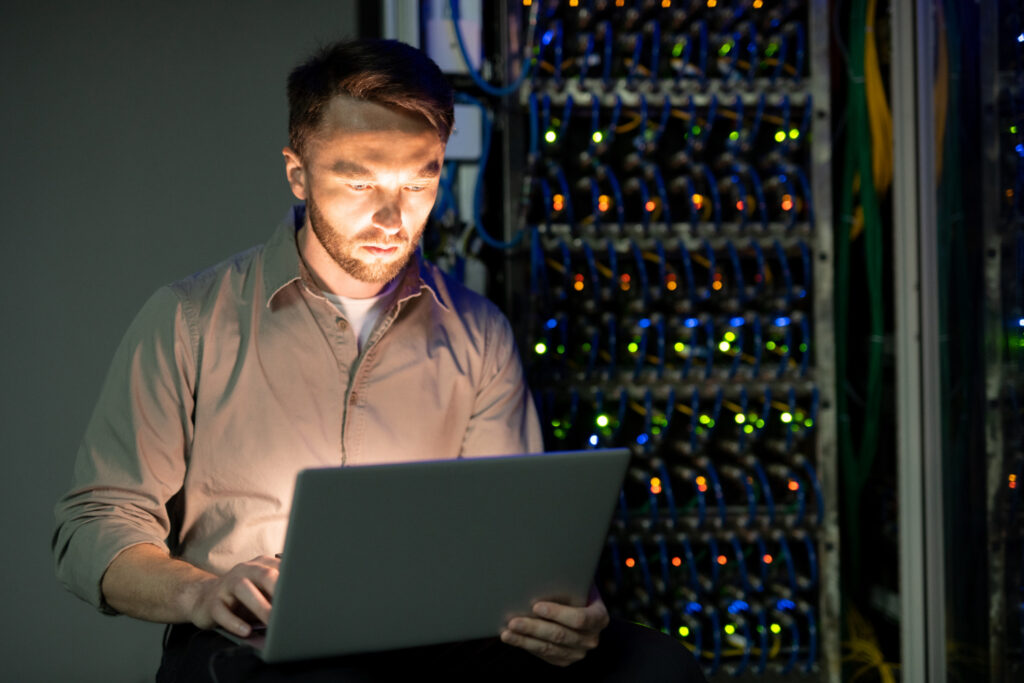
x=553, y=653
x=239, y=597
x=559, y=634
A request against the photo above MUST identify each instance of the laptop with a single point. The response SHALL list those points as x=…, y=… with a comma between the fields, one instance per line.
x=391, y=556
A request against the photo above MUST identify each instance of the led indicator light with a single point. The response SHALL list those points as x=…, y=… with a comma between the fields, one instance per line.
x=650, y=206
x=780, y=136
x=551, y=323
x=633, y=347
x=602, y=421
x=740, y=418
x=768, y=559
x=782, y=321
x=793, y=485
x=691, y=322
x=758, y=4
x=644, y=323
x=695, y=130
x=574, y=3
x=748, y=429
x=677, y=561
x=630, y=562
x=786, y=417
x=698, y=201
x=642, y=439
x=679, y=347
x=558, y=202
x=734, y=136
x=722, y=559
x=551, y=136
x=604, y=202
x=739, y=205
x=684, y=631
x=716, y=285
x=794, y=133
x=787, y=202
x=666, y=3
x=776, y=629
x=724, y=346
x=593, y=439
x=770, y=345
x=730, y=336
x=541, y=348
x=729, y=629
x=597, y=136
x=1013, y=130
x=677, y=50
x=712, y=3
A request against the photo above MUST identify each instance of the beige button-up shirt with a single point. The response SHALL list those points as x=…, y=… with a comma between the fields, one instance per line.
x=230, y=382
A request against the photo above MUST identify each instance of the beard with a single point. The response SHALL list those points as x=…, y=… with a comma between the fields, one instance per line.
x=344, y=249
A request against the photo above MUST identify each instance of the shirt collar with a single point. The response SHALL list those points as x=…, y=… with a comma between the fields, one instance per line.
x=282, y=265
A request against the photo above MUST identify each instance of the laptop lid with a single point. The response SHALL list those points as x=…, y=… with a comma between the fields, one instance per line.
x=390, y=556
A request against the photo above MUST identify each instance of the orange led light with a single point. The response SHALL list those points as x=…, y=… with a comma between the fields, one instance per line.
x=578, y=286
x=655, y=490
x=666, y=3
x=603, y=203
x=671, y=285
x=620, y=3
x=722, y=559
x=1013, y=481
x=677, y=562
x=787, y=202
x=527, y=3
x=716, y=285
x=650, y=206
x=758, y=4
x=739, y=205
x=574, y=3
x=698, y=201
x=558, y=202
x=1009, y=193
x=712, y=3
x=794, y=485
x=767, y=558
x=630, y=562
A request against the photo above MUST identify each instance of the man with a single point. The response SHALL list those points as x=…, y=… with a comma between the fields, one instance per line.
x=332, y=344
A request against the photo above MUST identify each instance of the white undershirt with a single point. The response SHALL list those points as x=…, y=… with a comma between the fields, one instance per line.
x=361, y=314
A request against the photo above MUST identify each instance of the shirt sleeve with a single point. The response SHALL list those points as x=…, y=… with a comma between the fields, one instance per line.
x=504, y=420
x=131, y=461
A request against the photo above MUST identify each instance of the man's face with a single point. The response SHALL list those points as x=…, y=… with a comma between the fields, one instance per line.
x=369, y=177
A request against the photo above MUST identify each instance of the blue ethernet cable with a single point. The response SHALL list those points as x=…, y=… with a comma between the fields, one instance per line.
x=638, y=47
x=655, y=47
x=453, y=6
x=585, y=63
x=691, y=287
x=716, y=200
x=787, y=275
x=641, y=270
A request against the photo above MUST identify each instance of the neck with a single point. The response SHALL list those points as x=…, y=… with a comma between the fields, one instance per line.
x=326, y=272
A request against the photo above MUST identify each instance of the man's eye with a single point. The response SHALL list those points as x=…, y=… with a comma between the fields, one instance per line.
x=416, y=188
x=359, y=187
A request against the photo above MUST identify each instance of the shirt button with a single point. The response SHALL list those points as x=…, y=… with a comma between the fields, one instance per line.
x=342, y=323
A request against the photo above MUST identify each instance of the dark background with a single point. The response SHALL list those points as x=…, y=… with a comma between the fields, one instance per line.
x=141, y=142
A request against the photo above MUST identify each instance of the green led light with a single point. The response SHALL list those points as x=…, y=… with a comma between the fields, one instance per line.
x=551, y=136
x=740, y=418
x=560, y=433
x=586, y=346
x=724, y=346
x=655, y=430
x=560, y=348
x=704, y=419
x=735, y=135
x=541, y=348
x=684, y=631
x=724, y=50
x=677, y=50
x=730, y=336
x=780, y=136
x=786, y=417
x=1013, y=130
x=803, y=347
x=597, y=136
x=749, y=429
x=602, y=421
x=784, y=348
x=711, y=423
x=679, y=347
x=760, y=423
x=729, y=629
x=776, y=629
x=808, y=422
x=770, y=346
x=633, y=347
x=556, y=423
x=696, y=130
x=794, y=133
x=771, y=49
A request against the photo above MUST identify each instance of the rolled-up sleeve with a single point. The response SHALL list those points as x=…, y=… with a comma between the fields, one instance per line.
x=504, y=420
x=132, y=458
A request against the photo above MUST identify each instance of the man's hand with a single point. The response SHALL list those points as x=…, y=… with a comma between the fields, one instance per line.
x=559, y=634
x=146, y=583
x=235, y=600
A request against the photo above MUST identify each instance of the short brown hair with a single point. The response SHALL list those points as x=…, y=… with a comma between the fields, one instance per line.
x=382, y=71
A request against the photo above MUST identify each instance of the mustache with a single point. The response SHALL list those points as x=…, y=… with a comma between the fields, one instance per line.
x=377, y=238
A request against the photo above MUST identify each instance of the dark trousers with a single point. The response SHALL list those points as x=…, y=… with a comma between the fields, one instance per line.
x=626, y=653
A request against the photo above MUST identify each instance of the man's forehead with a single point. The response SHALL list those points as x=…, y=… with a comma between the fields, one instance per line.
x=349, y=114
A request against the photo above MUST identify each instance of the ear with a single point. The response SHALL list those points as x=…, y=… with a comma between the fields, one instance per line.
x=295, y=172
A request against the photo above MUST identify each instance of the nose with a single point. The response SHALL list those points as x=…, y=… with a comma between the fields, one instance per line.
x=388, y=216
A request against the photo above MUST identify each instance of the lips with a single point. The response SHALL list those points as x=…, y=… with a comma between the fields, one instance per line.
x=380, y=251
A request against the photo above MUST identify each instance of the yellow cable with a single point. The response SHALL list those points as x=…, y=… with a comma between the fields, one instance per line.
x=879, y=116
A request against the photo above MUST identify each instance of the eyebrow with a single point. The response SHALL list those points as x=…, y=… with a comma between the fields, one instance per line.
x=351, y=169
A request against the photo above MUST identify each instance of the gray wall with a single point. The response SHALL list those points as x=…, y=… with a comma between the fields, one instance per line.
x=140, y=142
